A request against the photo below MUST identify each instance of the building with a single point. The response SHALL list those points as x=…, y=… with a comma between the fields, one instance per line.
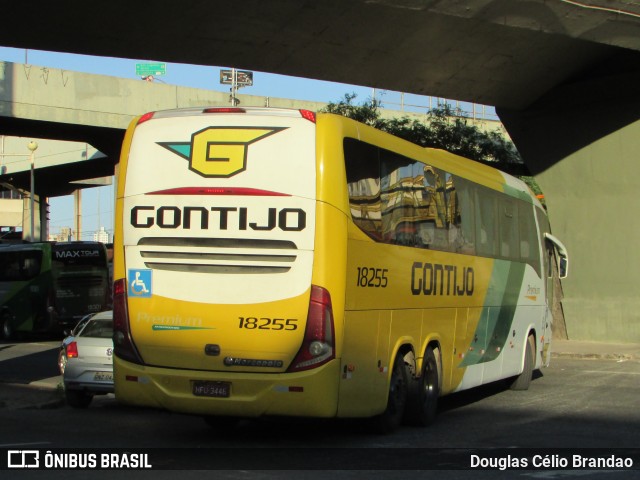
x=64, y=235
x=101, y=236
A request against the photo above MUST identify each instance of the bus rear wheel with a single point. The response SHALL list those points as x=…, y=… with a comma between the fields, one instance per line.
x=8, y=332
x=391, y=418
x=422, y=404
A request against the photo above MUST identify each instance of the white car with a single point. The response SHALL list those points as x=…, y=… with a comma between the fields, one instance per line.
x=70, y=336
x=89, y=365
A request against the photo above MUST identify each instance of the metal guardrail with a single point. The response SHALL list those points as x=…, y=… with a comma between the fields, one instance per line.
x=473, y=111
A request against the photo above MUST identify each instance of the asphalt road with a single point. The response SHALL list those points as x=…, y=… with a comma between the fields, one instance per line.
x=573, y=405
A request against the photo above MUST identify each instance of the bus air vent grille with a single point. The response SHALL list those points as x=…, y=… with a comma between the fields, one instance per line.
x=217, y=255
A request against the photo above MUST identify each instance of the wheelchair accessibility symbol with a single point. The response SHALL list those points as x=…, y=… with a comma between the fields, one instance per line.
x=140, y=283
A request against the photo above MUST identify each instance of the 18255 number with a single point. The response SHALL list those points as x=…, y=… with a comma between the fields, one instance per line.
x=263, y=323
x=372, y=277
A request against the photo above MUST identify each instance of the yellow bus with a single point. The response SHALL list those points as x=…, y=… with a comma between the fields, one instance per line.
x=283, y=262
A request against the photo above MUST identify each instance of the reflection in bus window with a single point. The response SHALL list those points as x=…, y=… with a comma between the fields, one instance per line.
x=398, y=200
x=486, y=223
x=363, y=182
x=509, y=247
x=465, y=206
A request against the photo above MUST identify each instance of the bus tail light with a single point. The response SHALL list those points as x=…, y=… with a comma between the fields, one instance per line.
x=318, y=346
x=123, y=345
x=72, y=350
x=308, y=115
x=146, y=117
x=224, y=110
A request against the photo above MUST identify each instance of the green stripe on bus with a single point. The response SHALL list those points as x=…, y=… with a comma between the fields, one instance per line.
x=497, y=315
x=517, y=193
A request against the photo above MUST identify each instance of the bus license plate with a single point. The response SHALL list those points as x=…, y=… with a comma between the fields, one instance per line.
x=103, y=377
x=211, y=389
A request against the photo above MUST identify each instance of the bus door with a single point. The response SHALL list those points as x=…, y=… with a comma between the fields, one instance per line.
x=556, y=268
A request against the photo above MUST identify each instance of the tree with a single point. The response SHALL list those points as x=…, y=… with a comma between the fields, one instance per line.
x=445, y=127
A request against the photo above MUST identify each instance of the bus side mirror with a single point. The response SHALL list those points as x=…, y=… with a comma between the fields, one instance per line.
x=561, y=252
x=563, y=267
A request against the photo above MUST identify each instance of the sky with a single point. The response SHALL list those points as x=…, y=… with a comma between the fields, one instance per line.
x=97, y=203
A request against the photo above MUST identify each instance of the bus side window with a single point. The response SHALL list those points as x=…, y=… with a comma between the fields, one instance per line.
x=31, y=265
x=363, y=179
x=486, y=222
x=9, y=267
x=452, y=212
x=528, y=236
x=425, y=208
x=509, y=244
x=399, y=202
x=465, y=216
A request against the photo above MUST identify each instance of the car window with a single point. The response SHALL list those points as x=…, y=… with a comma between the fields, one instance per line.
x=102, y=328
x=78, y=328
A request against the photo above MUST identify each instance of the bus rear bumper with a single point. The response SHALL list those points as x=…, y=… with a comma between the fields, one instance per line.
x=313, y=393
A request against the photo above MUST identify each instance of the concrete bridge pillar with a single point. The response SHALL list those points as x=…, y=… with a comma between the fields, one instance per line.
x=582, y=143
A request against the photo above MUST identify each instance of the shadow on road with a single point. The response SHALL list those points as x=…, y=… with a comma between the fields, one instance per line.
x=29, y=368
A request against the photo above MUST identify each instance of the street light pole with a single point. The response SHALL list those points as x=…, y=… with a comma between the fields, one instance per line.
x=32, y=146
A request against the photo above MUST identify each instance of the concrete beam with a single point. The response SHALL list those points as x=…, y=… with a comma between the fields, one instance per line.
x=45, y=102
x=493, y=52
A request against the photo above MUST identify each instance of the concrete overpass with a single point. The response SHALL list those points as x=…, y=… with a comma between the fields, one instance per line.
x=49, y=103
x=563, y=74
x=45, y=102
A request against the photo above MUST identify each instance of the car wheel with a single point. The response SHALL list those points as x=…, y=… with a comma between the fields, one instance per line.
x=78, y=398
x=62, y=360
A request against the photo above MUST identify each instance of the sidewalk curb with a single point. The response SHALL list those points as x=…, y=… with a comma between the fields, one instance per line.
x=594, y=356
x=30, y=397
x=45, y=405
x=595, y=350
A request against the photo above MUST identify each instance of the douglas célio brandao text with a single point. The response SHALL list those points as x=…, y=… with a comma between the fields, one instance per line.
x=572, y=461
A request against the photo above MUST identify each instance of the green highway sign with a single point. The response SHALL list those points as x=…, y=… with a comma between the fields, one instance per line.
x=146, y=69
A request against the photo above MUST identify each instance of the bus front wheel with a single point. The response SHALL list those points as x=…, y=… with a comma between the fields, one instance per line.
x=522, y=381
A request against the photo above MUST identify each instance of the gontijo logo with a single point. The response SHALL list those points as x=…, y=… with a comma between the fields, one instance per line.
x=219, y=151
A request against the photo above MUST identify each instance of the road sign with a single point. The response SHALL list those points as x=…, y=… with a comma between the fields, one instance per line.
x=146, y=69
x=244, y=78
